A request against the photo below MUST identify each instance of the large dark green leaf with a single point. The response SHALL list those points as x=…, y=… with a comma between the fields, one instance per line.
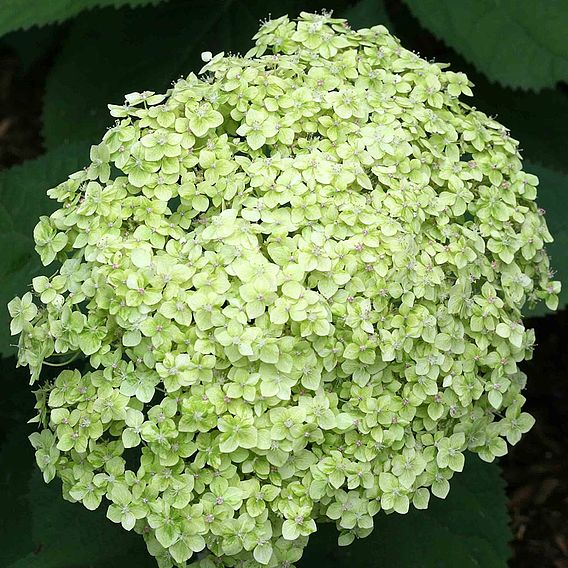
x=536, y=120
x=23, y=14
x=31, y=45
x=367, y=13
x=111, y=53
x=23, y=199
x=469, y=529
x=517, y=43
x=16, y=459
x=41, y=530
x=66, y=535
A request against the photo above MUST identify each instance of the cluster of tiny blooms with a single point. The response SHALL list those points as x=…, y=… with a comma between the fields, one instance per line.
x=287, y=291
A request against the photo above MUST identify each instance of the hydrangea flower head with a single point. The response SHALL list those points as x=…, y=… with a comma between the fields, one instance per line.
x=287, y=291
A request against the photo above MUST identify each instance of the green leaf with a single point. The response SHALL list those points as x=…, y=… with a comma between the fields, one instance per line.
x=17, y=400
x=366, y=13
x=553, y=197
x=31, y=45
x=67, y=534
x=109, y=54
x=23, y=14
x=467, y=529
x=16, y=457
x=533, y=119
x=23, y=199
x=519, y=44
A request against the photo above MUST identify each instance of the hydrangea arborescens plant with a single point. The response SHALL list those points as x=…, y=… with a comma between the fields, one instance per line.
x=288, y=291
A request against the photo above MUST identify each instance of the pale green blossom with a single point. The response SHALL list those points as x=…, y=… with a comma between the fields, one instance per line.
x=290, y=290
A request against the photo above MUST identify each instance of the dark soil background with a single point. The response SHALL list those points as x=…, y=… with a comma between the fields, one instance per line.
x=536, y=470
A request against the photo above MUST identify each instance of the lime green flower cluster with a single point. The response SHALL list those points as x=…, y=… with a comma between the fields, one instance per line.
x=292, y=292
